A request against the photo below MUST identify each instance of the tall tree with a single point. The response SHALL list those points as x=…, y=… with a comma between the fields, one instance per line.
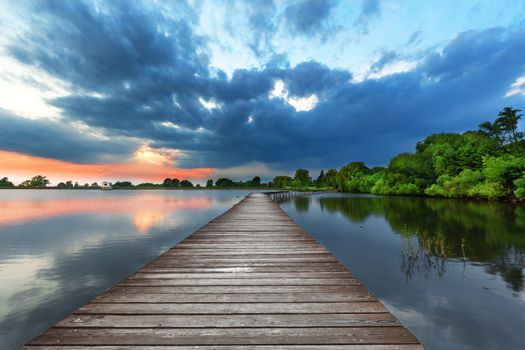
x=303, y=177
x=320, y=179
x=36, y=181
x=4, y=182
x=186, y=183
x=256, y=181
x=282, y=181
x=505, y=127
x=209, y=183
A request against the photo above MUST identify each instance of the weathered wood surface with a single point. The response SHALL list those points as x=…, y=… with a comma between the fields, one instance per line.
x=252, y=279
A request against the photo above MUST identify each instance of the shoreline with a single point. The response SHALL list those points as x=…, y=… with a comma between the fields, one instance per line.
x=471, y=199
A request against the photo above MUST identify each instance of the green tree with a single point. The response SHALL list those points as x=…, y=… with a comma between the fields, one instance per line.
x=209, y=183
x=224, y=182
x=4, y=182
x=349, y=176
x=256, y=181
x=302, y=176
x=320, y=179
x=122, y=184
x=519, y=192
x=505, y=127
x=186, y=184
x=282, y=181
x=38, y=181
x=330, y=178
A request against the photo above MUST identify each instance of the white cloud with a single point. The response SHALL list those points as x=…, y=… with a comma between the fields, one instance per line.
x=517, y=88
x=301, y=104
x=25, y=90
x=389, y=69
x=209, y=105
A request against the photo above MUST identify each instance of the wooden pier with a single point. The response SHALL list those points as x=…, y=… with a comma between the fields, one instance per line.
x=249, y=279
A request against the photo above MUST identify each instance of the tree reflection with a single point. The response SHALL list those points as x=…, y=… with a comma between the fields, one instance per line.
x=302, y=204
x=433, y=230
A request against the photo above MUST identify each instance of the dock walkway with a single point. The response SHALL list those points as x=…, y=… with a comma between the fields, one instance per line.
x=250, y=278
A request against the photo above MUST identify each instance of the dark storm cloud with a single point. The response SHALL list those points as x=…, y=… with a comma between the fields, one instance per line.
x=137, y=73
x=307, y=17
x=370, y=9
x=311, y=77
x=51, y=139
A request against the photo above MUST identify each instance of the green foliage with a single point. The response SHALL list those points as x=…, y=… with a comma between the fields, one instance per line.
x=224, y=182
x=38, y=181
x=330, y=178
x=186, y=184
x=282, y=181
x=122, y=184
x=209, y=183
x=505, y=128
x=519, y=192
x=256, y=181
x=302, y=178
x=489, y=163
x=4, y=182
x=171, y=182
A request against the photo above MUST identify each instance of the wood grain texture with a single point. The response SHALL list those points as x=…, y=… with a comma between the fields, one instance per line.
x=249, y=279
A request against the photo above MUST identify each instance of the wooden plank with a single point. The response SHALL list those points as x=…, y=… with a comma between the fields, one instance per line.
x=359, y=293
x=239, y=282
x=231, y=308
x=154, y=267
x=249, y=279
x=234, y=289
x=212, y=260
x=229, y=321
x=147, y=273
x=249, y=245
x=224, y=336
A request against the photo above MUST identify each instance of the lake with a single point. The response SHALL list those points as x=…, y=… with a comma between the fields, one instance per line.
x=61, y=248
x=452, y=271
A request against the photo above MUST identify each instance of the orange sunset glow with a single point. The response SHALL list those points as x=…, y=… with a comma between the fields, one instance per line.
x=147, y=166
x=146, y=209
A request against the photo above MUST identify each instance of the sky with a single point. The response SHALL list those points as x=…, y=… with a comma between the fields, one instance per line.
x=144, y=90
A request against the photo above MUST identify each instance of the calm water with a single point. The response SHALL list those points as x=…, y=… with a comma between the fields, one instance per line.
x=59, y=249
x=451, y=271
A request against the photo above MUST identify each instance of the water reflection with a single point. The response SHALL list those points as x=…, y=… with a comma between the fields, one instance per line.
x=146, y=209
x=452, y=271
x=492, y=233
x=59, y=249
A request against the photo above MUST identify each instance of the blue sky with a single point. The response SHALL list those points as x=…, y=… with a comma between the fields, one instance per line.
x=250, y=87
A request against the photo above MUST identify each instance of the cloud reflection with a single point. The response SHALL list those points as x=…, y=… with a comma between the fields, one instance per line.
x=146, y=209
